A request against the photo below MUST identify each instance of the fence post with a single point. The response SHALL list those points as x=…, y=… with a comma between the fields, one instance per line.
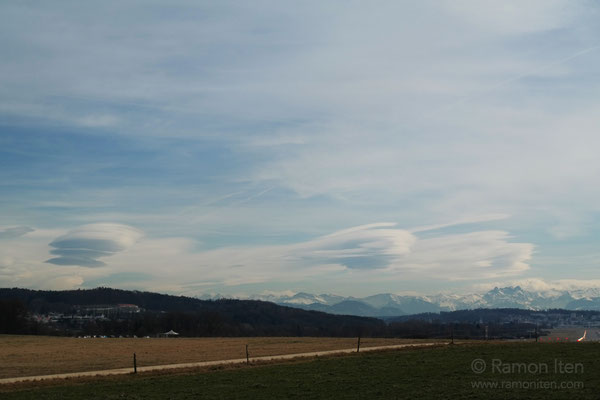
x=358, y=345
x=247, y=356
x=134, y=364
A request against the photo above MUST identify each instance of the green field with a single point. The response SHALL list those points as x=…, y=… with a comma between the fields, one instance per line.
x=434, y=373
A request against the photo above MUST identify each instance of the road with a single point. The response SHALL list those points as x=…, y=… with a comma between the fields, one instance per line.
x=122, y=371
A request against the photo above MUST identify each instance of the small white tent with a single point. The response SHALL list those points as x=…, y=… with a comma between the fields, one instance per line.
x=171, y=333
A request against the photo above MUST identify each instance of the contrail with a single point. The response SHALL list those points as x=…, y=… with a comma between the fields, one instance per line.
x=254, y=196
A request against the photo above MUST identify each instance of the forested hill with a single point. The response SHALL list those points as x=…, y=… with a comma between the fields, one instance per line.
x=187, y=315
x=43, y=301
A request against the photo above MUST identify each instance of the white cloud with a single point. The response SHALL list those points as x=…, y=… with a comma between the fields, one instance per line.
x=470, y=256
x=473, y=219
x=84, y=245
x=379, y=252
x=512, y=17
x=373, y=252
x=22, y=258
x=372, y=246
x=14, y=232
x=537, y=284
x=63, y=282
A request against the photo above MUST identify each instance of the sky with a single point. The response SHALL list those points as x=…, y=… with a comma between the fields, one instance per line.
x=342, y=147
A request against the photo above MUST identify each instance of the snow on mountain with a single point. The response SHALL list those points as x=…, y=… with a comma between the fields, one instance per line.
x=305, y=298
x=388, y=304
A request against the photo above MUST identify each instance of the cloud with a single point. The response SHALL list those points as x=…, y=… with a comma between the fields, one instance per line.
x=6, y=262
x=463, y=221
x=120, y=279
x=84, y=245
x=379, y=252
x=465, y=108
x=507, y=17
x=468, y=256
x=401, y=253
x=544, y=285
x=372, y=246
x=64, y=282
x=15, y=232
x=382, y=255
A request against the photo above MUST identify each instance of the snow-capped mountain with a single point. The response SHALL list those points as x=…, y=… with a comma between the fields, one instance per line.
x=299, y=298
x=387, y=304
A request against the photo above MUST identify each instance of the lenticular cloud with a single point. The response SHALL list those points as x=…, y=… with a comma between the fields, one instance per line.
x=84, y=246
x=372, y=246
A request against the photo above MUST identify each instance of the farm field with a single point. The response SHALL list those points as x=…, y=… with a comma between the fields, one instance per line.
x=42, y=355
x=428, y=373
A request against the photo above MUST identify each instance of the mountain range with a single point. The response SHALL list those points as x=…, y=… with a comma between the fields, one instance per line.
x=387, y=304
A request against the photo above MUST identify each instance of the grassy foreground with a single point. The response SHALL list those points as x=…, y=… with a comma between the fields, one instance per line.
x=436, y=373
x=43, y=355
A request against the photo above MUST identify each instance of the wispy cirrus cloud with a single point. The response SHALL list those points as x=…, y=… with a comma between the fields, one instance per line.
x=10, y=233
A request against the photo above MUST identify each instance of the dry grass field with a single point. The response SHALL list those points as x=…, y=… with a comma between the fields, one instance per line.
x=41, y=355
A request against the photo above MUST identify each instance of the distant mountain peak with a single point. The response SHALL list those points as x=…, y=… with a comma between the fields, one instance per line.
x=389, y=304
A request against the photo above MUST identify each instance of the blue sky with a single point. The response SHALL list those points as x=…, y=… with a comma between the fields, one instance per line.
x=340, y=147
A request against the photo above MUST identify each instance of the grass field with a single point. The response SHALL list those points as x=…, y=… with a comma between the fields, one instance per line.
x=434, y=373
x=41, y=355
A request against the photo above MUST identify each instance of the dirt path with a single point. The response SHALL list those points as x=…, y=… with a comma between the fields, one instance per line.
x=121, y=371
x=45, y=355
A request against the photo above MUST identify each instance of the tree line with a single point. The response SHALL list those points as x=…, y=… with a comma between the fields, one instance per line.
x=225, y=317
